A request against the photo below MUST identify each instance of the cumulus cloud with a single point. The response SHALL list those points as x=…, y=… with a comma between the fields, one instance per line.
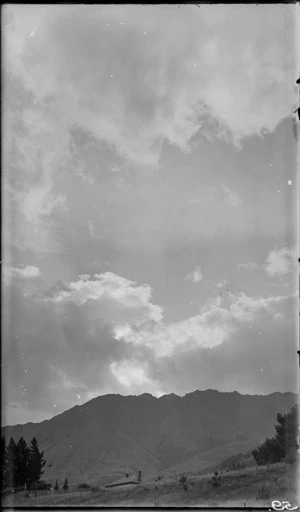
x=280, y=262
x=118, y=300
x=134, y=377
x=212, y=327
x=195, y=276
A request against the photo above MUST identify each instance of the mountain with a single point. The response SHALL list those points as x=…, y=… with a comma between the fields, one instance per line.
x=112, y=434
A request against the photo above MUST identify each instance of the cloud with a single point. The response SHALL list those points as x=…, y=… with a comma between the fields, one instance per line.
x=250, y=265
x=28, y=272
x=280, y=262
x=216, y=323
x=91, y=229
x=222, y=283
x=231, y=197
x=156, y=85
x=36, y=149
x=216, y=196
x=103, y=334
x=253, y=360
x=195, y=276
x=135, y=377
x=118, y=300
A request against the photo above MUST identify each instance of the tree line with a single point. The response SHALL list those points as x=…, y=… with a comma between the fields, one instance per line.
x=21, y=464
x=284, y=445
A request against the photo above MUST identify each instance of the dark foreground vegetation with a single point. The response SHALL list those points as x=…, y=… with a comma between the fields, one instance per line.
x=284, y=445
x=21, y=465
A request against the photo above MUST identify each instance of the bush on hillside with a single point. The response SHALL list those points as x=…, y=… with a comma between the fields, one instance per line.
x=84, y=485
x=182, y=478
x=284, y=444
x=216, y=479
x=263, y=493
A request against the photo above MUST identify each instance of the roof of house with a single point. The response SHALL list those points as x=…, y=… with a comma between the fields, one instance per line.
x=124, y=481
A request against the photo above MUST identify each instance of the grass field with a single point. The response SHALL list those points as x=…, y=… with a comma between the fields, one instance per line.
x=250, y=487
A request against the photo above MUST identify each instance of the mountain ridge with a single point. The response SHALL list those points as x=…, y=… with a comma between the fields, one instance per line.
x=112, y=434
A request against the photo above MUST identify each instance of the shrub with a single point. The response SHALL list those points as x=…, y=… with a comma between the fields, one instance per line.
x=185, y=487
x=95, y=488
x=84, y=485
x=216, y=479
x=182, y=478
x=66, y=485
x=56, y=487
x=263, y=493
x=237, y=465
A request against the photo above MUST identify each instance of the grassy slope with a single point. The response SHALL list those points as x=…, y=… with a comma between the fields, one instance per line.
x=238, y=488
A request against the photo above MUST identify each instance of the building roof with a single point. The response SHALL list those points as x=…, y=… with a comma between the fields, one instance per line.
x=124, y=481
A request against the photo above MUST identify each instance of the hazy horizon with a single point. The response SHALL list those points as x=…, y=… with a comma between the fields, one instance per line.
x=149, y=202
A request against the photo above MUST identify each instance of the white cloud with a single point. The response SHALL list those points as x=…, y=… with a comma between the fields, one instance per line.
x=245, y=308
x=250, y=265
x=216, y=196
x=222, y=283
x=28, y=272
x=216, y=323
x=117, y=300
x=195, y=276
x=280, y=262
x=129, y=373
x=231, y=197
x=133, y=375
x=91, y=229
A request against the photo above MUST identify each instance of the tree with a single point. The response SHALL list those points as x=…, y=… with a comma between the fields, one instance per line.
x=36, y=462
x=10, y=474
x=285, y=443
x=3, y=461
x=56, y=487
x=22, y=462
x=66, y=485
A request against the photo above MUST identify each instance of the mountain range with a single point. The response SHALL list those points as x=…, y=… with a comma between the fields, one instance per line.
x=111, y=435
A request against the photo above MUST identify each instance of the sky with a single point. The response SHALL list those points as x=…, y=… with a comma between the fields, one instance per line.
x=149, y=202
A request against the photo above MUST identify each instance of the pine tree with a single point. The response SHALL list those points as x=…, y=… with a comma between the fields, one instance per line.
x=66, y=484
x=36, y=462
x=22, y=462
x=3, y=461
x=10, y=475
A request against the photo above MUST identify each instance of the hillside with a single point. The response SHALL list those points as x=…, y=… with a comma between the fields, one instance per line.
x=252, y=487
x=112, y=434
